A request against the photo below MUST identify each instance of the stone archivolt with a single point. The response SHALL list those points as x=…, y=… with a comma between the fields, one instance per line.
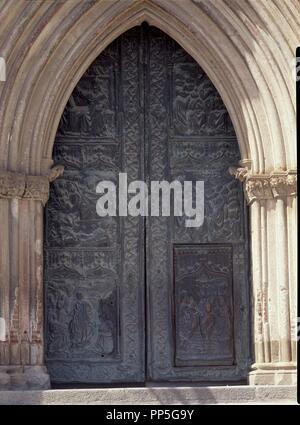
x=266, y=186
x=21, y=186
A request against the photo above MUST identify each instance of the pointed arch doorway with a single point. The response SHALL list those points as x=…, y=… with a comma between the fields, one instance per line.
x=129, y=299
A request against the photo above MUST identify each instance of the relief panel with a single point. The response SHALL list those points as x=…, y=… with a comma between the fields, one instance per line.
x=91, y=111
x=94, y=266
x=203, y=305
x=196, y=279
x=197, y=108
x=82, y=320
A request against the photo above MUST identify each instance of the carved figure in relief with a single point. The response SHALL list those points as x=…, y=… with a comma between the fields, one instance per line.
x=106, y=341
x=223, y=203
x=105, y=328
x=62, y=308
x=217, y=120
x=80, y=326
x=224, y=317
x=57, y=323
x=79, y=117
x=208, y=321
x=102, y=115
x=189, y=318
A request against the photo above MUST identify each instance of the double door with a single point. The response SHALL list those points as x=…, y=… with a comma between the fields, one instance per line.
x=136, y=299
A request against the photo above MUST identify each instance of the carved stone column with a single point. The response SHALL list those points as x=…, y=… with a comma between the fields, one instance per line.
x=272, y=201
x=22, y=199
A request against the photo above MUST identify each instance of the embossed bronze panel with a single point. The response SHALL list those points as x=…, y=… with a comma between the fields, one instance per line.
x=203, y=302
x=94, y=271
x=133, y=299
x=189, y=136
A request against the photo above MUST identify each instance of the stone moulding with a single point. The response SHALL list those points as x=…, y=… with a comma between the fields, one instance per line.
x=258, y=187
x=22, y=186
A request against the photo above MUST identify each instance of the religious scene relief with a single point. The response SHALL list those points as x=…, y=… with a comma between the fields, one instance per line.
x=203, y=305
x=80, y=323
x=90, y=110
x=197, y=106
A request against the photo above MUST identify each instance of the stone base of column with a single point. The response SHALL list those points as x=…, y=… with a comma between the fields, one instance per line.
x=273, y=374
x=24, y=378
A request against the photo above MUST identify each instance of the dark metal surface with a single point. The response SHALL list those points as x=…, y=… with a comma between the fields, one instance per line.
x=146, y=108
x=203, y=305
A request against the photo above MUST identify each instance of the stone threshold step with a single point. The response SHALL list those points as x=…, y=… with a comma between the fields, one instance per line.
x=245, y=394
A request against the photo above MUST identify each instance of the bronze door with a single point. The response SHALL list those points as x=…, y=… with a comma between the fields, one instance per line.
x=130, y=299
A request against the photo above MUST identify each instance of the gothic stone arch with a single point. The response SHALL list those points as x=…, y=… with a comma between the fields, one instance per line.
x=246, y=48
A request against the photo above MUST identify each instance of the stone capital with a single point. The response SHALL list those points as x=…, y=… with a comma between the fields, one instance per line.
x=22, y=186
x=261, y=187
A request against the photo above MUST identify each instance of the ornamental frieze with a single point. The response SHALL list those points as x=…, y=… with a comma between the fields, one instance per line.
x=22, y=186
x=266, y=186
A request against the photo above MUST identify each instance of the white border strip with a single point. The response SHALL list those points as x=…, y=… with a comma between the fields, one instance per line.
x=2, y=69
